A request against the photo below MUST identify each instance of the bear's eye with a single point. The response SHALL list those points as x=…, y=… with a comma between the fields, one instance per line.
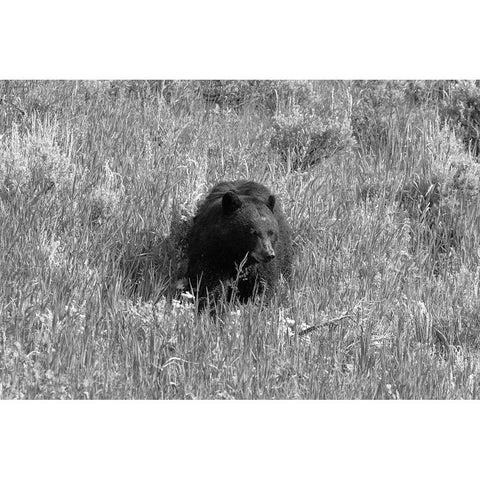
x=253, y=232
x=271, y=233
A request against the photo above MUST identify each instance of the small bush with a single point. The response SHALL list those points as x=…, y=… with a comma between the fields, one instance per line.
x=461, y=108
x=466, y=179
x=228, y=93
x=438, y=204
x=34, y=164
x=427, y=92
x=304, y=139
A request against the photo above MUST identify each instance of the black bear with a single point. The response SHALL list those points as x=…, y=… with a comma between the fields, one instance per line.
x=239, y=237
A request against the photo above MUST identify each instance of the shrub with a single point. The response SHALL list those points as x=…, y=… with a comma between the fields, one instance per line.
x=303, y=138
x=461, y=108
x=427, y=92
x=33, y=164
x=438, y=203
x=228, y=93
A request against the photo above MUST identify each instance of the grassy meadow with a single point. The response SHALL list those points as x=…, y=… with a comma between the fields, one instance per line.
x=379, y=181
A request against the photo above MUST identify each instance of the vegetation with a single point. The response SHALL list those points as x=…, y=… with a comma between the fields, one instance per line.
x=379, y=180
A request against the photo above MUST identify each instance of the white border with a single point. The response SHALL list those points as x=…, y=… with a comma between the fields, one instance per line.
x=97, y=39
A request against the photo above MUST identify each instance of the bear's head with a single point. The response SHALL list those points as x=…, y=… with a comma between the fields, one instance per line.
x=252, y=226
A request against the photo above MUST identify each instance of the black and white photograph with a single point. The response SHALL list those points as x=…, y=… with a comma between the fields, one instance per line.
x=239, y=241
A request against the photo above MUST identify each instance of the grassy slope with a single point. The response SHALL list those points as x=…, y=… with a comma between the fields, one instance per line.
x=124, y=164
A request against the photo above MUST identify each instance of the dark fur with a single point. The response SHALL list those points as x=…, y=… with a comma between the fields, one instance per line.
x=238, y=221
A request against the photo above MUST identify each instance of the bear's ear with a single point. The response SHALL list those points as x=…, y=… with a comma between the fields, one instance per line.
x=271, y=202
x=230, y=202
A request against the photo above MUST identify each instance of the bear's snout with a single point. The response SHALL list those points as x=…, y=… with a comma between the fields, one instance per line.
x=270, y=256
x=265, y=255
x=268, y=252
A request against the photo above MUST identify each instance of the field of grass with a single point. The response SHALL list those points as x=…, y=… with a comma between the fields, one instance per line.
x=99, y=179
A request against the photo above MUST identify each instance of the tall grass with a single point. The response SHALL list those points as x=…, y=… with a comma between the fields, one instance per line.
x=97, y=183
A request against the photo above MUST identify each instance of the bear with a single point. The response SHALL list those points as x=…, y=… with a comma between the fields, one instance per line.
x=240, y=241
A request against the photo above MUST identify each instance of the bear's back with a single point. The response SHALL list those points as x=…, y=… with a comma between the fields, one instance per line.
x=245, y=188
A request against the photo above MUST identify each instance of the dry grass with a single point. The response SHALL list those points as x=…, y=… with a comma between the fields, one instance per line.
x=95, y=186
